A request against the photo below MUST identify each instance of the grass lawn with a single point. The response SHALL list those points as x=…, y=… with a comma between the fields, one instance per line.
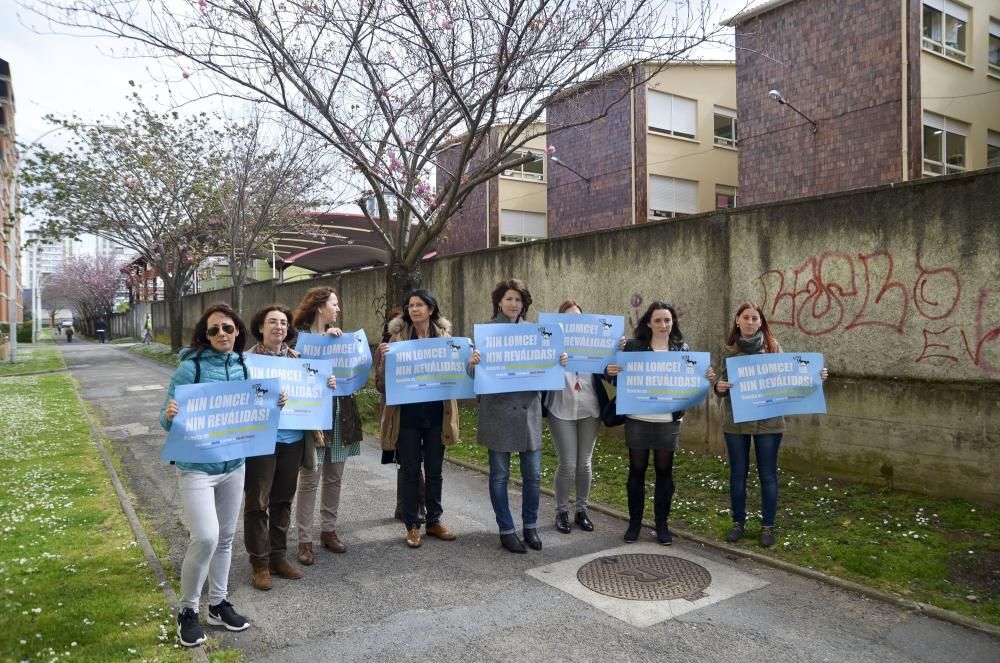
x=34, y=357
x=945, y=552
x=75, y=584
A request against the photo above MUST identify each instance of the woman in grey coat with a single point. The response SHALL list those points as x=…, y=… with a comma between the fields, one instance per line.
x=511, y=423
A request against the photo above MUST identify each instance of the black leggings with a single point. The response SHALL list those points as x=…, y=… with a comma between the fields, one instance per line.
x=663, y=494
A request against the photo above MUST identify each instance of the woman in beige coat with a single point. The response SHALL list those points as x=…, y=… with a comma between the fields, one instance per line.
x=419, y=432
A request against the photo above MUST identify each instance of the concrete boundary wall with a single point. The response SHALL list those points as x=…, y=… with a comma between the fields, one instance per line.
x=896, y=285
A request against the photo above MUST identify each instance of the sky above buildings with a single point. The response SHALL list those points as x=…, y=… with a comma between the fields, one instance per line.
x=64, y=74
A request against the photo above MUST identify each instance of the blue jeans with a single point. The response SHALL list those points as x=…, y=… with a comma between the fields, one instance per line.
x=531, y=477
x=766, y=449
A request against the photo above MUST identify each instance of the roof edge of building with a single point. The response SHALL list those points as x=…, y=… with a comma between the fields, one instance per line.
x=747, y=14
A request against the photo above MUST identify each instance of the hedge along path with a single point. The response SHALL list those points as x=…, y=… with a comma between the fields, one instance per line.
x=79, y=581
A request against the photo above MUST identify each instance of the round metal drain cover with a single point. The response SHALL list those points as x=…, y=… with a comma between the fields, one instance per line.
x=645, y=577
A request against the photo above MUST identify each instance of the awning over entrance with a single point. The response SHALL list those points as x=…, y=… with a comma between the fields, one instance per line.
x=330, y=242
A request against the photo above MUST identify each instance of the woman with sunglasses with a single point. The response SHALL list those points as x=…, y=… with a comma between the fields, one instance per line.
x=657, y=331
x=271, y=480
x=750, y=335
x=326, y=451
x=210, y=492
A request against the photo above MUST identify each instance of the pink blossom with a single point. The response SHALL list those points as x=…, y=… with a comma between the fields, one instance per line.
x=447, y=24
x=550, y=150
x=203, y=4
x=185, y=74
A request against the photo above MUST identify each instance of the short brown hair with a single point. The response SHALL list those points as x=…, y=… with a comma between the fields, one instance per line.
x=568, y=304
x=511, y=284
x=257, y=321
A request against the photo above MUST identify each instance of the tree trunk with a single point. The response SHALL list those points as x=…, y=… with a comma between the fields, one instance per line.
x=176, y=313
x=239, y=277
x=400, y=279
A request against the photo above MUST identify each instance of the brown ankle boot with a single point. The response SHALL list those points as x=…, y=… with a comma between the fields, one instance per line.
x=261, y=577
x=284, y=569
x=306, y=555
x=413, y=537
x=331, y=542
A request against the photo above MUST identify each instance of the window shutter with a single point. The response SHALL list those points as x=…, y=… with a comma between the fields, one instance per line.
x=511, y=222
x=534, y=224
x=661, y=193
x=995, y=28
x=686, y=196
x=958, y=11
x=685, y=116
x=658, y=109
x=933, y=121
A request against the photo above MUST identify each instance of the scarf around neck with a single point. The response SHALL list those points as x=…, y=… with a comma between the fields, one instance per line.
x=261, y=349
x=752, y=345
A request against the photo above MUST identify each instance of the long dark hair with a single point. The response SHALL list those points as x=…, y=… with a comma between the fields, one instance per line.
x=501, y=289
x=427, y=298
x=770, y=343
x=257, y=321
x=305, y=314
x=199, y=337
x=644, y=333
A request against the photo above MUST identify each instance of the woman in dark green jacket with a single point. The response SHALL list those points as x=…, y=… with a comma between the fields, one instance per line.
x=750, y=335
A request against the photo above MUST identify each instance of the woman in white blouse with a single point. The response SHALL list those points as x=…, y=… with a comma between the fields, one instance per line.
x=574, y=414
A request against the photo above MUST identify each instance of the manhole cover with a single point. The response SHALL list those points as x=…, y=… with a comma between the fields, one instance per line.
x=645, y=577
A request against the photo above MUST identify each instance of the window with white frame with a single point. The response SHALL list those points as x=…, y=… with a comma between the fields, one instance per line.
x=517, y=226
x=946, y=28
x=670, y=197
x=725, y=196
x=994, y=54
x=992, y=149
x=725, y=127
x=944, y=145
x=532, y=170
x=671, y=115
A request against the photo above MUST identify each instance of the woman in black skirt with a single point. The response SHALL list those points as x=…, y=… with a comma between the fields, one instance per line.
x=656, y=331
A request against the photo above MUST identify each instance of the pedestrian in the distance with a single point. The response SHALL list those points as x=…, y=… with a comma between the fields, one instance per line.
x=147, y=335
x=100, y=328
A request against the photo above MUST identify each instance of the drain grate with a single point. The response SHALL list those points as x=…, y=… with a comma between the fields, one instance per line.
x=644, y=577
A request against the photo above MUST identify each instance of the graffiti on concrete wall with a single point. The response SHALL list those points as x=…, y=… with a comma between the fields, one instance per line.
x=836, y=292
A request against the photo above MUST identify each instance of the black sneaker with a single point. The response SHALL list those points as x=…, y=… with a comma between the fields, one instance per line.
x=632, y=533
x=735, y=532
x=663, y=534
x=224, y=615
x=767, y=536
x=189, y=630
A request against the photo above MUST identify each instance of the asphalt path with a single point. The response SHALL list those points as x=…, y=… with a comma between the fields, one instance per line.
x=469, y=600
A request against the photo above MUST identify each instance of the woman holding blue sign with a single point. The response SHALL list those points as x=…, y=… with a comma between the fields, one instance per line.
x=658, y=331
x=271, y=480
x=574, y=416
x=210, y=492
x=326, y=451
x=750, y=335
x=419, y=432
x=509, y=423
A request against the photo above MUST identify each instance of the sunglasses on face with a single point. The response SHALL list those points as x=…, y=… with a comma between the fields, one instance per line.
x=226, y=328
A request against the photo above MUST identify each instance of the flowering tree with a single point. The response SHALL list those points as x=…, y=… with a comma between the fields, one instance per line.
x=268, y=186
x=86, y=284
x=149, y=182
x=388, y=84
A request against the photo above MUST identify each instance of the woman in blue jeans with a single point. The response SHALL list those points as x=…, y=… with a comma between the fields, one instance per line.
x=750, y=335
x=510, y=423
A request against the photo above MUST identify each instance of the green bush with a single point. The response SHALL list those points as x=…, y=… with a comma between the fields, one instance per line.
x=23, y=331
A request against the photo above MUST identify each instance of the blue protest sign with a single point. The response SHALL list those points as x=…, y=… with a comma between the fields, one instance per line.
x=220, y=421
x=661, y=382
x=590, y=340
x=428, y=369
x=772, y=385
x=349, y=352
x=523, y=357
x=309, y=402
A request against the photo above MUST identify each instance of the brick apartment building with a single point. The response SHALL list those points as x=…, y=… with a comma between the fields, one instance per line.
x=665, y=147
x=506, y=209
x=10, y=226
x=898, y=90
x=627, y=150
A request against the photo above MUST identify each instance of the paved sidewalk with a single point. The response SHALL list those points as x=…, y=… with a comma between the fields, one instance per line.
x=469, y=600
